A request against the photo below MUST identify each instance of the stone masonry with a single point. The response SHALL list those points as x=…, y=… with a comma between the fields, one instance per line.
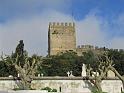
x=61, y=37
x=64, y=84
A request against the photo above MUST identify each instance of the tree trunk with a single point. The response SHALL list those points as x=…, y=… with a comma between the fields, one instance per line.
x=98, y=85
x=118, y=75
x=26, y=83
x=25, y=78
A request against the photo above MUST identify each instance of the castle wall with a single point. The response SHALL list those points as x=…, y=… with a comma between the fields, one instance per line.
x=85, y=48
x=61, y=37
x=67, y=84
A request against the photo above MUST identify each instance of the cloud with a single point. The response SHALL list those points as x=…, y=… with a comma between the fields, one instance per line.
x=117, y=43
x=26, y=8
x=119, y=22
x=92, y=30
x=118, y=29
x=96, y=30
x=89, y=31
x=34, y=3
x=33, y=31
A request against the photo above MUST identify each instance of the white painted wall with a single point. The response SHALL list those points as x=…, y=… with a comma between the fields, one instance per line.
x=68, y=85
x=24, y=91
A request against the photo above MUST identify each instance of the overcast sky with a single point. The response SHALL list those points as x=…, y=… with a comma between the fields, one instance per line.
x=98, y=22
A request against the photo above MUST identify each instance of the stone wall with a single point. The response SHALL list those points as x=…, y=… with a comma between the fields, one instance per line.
x=85, y=48
x=61, y=37
x=23, y=91
x=64, y=84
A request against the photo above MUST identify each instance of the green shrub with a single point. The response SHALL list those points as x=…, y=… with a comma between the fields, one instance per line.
x=94, y=90
x=47, y=88
x=17, y=89
x=54, y=90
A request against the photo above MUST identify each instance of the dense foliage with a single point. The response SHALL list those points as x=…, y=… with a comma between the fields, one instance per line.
x=59, y=65
x=118, y=58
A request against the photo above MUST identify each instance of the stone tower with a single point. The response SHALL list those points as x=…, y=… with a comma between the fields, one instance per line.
x=61, y=37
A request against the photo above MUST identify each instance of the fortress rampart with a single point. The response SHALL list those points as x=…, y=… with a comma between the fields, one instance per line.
x=62, y=37
x=52, y=24
x=84, y=48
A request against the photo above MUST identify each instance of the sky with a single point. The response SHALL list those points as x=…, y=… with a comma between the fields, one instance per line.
x=98, y=22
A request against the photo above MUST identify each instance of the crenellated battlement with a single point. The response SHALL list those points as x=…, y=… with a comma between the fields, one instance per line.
x=90, y=47
x=84, y=48
x=62, y=37
x=61, y=24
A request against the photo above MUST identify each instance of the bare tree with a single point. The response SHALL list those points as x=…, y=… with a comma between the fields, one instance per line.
x=27, y=71
x=96, y=78
x=117, y=74
x=25, y=66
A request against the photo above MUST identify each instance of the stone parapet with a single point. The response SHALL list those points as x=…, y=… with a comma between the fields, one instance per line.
x=51, y=24
x=70, y=85
x=66, y=84
x=57, y=78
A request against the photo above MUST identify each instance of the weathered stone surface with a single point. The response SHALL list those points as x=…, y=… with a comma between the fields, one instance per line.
x=61, y=38
x=110, y=74
x=3, y=91
x=67, y=84
x=24, y=91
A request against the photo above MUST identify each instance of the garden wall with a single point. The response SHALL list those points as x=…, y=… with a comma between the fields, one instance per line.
x=64, y=84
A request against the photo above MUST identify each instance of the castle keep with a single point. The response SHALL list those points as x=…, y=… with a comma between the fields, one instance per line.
x=61, y=37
